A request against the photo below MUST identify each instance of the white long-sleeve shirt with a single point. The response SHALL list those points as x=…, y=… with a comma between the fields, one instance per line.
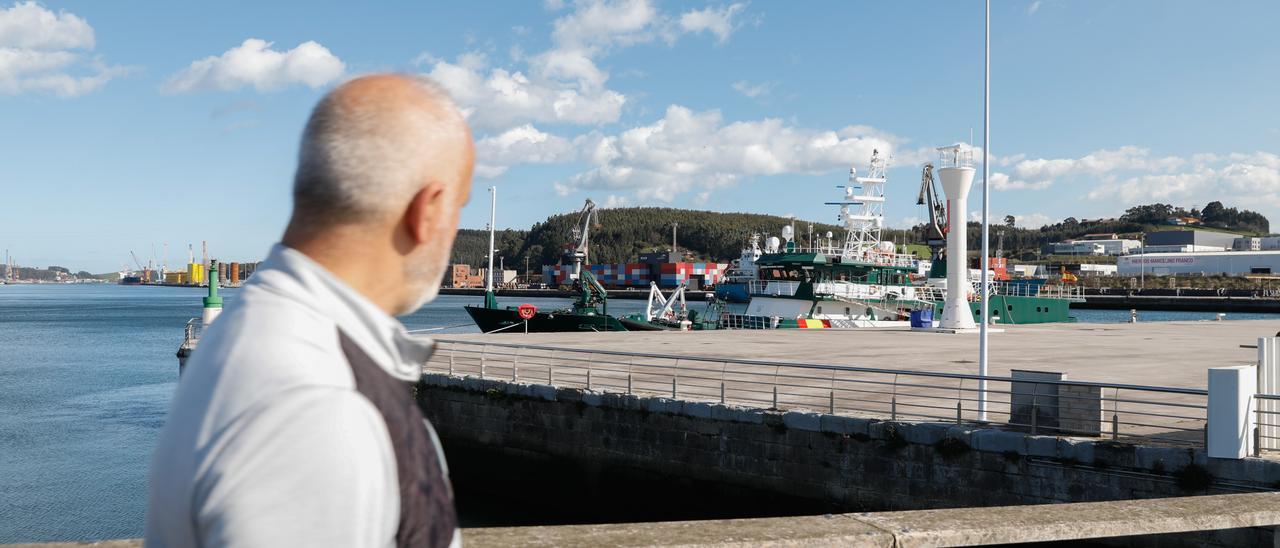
x=267, y=442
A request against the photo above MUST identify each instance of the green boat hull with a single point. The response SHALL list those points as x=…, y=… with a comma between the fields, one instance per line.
x=508, y=320
x=1019, y=310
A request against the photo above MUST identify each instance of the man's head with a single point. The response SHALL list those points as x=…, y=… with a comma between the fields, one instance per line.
x=383, y=170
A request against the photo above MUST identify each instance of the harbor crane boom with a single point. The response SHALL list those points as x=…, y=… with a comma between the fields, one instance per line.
x=135, y=259
x=578, y=248
x=939, y=220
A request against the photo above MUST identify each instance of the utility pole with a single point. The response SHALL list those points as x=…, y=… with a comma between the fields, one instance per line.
x=674, y=226
x=986, y=206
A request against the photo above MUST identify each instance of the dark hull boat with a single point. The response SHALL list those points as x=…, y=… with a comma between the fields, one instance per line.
x=508, y=320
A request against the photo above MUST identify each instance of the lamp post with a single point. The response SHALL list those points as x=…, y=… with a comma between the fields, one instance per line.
x=986, y=210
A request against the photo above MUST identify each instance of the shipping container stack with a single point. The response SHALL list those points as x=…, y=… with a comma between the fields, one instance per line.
x=638, y=275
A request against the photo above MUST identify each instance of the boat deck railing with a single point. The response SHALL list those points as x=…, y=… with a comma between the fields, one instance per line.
x=776, y=288
x=1124, y=412
x=191, y=333
x=1064, y=292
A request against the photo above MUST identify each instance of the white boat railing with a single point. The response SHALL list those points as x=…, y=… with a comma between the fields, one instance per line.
x=775, y=288
x=1064, y=292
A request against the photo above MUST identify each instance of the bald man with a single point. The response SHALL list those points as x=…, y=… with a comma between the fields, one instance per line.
x=294, y=423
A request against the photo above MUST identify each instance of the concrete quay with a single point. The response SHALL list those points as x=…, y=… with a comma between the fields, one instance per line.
x=1167, y=519
x=845, y=463
x=1164, y=518
x=1174, y=354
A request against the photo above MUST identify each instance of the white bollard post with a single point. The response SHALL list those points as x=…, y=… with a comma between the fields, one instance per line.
x=1231, y=417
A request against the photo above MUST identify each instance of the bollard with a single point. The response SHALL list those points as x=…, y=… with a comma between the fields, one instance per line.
x=721, y=392
x=833, y=402
x=1115, y=426
x=893, y=408
x=775, y=396
x=550, y=380
x=958, y=419
x=515, y=373
x=450, y=364
x=588, y=380
x=1257, y=442
x=628, y=384
x=673, y=388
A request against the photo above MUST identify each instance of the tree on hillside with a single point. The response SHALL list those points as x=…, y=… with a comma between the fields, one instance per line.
x=1010, y=221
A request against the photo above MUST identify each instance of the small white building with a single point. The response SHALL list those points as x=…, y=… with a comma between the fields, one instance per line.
x=1230, y=263
x=1188, y=248
x=1110, y=246
x=1098, y=270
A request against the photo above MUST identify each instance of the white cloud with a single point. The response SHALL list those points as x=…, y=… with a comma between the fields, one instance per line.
x=697, y=151
x=520, y=145
x=1029, y=220
x=613, y=200
x=1033, y=8
x=1211, y=177
x=1000, y=181
x=717, y=21
x=28, y=25
x=752, y=90
x=563, y=84
x=598, y=24
x=253, y=63
x=1040, y=173
x=43, y=51
x=497, y=99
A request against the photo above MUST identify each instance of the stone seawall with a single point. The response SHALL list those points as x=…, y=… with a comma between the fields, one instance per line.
x=846, y=463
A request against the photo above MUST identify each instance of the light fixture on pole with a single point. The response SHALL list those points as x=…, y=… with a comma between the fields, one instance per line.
x=986, y=210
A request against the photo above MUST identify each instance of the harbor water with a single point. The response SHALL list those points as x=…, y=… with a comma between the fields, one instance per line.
x=86, y=372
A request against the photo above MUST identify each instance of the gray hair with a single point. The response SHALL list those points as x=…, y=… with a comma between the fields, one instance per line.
x=362, y=160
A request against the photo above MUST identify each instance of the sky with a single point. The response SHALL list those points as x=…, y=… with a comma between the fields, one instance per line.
x=135, y=126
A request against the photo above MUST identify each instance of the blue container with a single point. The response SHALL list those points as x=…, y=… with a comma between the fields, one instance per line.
x=922, y=318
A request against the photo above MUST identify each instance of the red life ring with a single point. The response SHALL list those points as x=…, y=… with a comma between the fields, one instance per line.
x=526, y=311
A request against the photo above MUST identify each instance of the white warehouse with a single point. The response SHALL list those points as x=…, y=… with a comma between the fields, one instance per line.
x=1231, y=263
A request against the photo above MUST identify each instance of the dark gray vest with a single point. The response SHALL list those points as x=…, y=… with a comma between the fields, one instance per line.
x=427, y=516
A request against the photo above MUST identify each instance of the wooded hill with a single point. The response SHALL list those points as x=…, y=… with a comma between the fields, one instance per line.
x=622, y=234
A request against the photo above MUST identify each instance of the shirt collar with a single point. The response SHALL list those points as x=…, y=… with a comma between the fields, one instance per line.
x=380, y=335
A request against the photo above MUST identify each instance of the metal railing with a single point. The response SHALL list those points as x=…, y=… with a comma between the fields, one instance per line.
x=784, y=288
x=191, y=333
x=1266, y=430
x=1147, y=414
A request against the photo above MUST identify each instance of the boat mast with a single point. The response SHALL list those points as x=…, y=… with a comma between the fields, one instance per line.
x=986, y=210
x=493, y=213
x=489, y=300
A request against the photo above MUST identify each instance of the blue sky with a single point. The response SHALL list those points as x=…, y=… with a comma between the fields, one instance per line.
x=131, y=124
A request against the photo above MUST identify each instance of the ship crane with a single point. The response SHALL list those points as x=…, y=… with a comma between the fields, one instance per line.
x=939, y=220
x=577, y=249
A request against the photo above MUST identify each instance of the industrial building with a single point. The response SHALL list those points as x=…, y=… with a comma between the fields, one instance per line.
x=1229, y=263
x=464, y=276
x=1188, y=241
x=1095, y=244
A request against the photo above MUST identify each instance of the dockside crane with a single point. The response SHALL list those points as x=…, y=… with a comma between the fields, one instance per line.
x=577, y=250
x=939, y=218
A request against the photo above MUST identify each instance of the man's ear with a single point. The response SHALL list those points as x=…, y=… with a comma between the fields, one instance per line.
x=425, y=207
